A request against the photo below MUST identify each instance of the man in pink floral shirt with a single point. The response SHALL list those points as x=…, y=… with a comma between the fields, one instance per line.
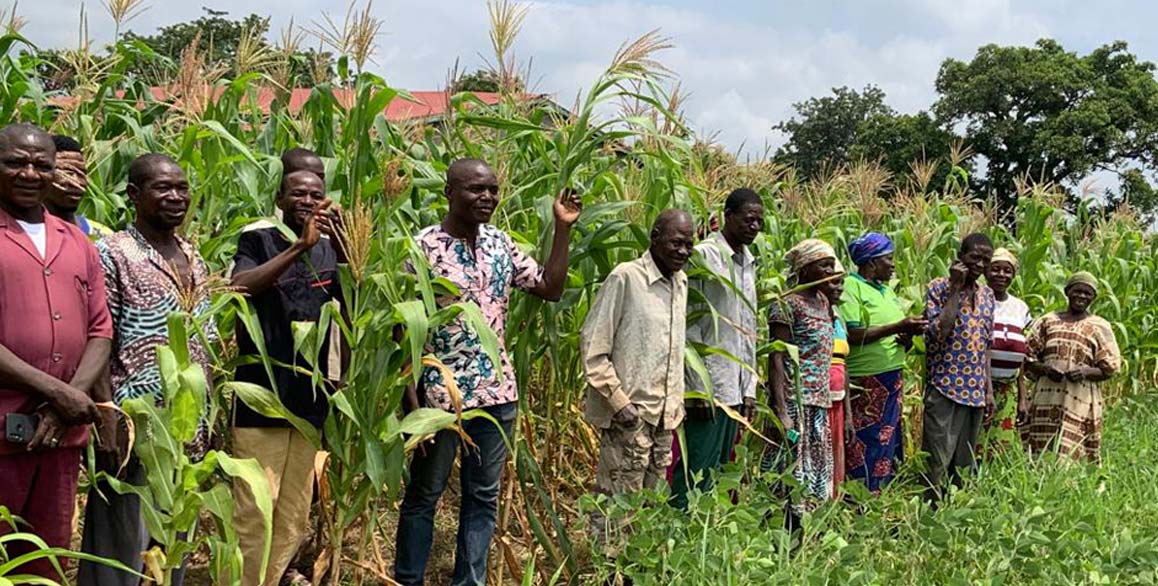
x=484, y=264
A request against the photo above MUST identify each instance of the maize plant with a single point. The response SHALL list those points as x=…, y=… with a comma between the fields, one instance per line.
x=625, y=147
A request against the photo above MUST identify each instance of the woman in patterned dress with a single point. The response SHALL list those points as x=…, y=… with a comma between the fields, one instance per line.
x=1070, y=352
x=1007, y=353
x=803, y=318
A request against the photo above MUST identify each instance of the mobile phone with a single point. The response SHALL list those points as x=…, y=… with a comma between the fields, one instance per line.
x=793, y=436
x=19, y=428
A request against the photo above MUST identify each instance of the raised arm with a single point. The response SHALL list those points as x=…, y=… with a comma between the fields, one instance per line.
x=567, y=207
x=252, y=277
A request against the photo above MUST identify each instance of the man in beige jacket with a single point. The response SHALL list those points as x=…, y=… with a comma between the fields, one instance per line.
x=633, y=357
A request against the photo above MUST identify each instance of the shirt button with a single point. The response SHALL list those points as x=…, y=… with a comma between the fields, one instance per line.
x=56, y=357
x=47, y=272
x=56, y=316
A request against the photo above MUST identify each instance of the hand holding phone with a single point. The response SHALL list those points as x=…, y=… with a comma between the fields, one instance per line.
x=19, y=428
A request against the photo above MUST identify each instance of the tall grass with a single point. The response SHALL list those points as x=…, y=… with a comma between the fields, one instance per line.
x=629, y=164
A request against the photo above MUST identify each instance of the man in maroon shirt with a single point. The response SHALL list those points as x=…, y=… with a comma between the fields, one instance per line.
x=55, y=334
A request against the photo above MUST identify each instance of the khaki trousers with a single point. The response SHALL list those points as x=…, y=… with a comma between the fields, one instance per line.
x=288, y=460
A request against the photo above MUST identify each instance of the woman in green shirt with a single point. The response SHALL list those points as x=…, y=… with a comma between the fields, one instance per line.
x=879, y=335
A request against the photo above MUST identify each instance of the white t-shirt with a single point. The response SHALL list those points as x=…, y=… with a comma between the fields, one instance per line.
x=37, y=234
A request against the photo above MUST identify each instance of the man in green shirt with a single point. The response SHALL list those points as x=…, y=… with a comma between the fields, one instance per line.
x=879, y=335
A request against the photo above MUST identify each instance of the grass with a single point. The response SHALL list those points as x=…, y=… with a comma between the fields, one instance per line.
x=1022, y=520
x=629, y=165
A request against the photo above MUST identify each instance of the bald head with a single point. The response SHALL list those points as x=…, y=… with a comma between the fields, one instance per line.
x=300, y=159
x=144, y=166
x=27, y=166
x=668, y=220
x=24, y=133
x=472, y=190
x=463, y=169
x=671, y=240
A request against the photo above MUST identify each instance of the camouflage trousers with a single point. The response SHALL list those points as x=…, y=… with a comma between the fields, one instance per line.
x=630, y=460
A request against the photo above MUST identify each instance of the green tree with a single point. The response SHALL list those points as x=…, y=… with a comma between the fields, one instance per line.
x=221, y=39
x=824, y=130
x=1052, y=115
x=850, y=126
x=481, y=80
x=896, y=141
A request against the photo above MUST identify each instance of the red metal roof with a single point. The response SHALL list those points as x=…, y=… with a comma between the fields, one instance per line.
x=427, y=103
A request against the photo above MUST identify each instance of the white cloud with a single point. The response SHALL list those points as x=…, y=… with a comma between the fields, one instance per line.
x=743, y=64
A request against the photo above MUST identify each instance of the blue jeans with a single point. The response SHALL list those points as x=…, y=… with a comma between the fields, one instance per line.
x=481, y=470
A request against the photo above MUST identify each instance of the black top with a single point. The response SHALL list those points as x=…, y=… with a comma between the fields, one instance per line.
x=298, y=295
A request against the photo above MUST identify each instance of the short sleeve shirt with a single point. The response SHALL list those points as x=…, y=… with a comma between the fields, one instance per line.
x=298, y=295
x=866, y=305
x=957, y=365
x=50, y=307
x=1010, y=322
x=485, y=276
x=812, y=332
x=143, y=291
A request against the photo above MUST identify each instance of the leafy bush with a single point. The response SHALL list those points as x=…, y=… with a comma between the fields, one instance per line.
x=1020, y=521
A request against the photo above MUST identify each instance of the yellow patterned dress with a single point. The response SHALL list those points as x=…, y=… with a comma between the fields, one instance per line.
x=1067, y=416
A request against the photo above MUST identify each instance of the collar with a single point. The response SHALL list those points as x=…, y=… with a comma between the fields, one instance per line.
x=877, y=286
x=654, y=275
x=50, y=221
x=53, y=244
x=719, y=240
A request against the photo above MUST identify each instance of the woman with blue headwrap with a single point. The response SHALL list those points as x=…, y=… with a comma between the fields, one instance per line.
x=879, y=335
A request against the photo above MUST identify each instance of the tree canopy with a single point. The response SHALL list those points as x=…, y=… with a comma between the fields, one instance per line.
x=231, y=46
x=1039, y=113
x=1047, y=114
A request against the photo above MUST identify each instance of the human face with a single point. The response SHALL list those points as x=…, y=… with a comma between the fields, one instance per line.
x=474, y=195
x=744, y=224
x=69, y=182
x=834, y=290
x=976, y=261
x=303, y=191
x=27, y=164
x=881, y=269
x=163, y=199
x=999, y=276
x=671, y=247
x=817, y=271
x=1080, y=297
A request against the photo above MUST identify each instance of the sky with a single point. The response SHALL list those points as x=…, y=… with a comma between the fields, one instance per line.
x=743, y=63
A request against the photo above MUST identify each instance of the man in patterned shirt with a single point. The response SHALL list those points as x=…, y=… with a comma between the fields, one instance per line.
x=485, y=264
x=958, y=384
x=150, y=272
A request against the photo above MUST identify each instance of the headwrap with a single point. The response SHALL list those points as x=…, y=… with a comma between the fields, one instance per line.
x=1083, y=278
x=1004, y=255
x=805, y=253
x=870, y=246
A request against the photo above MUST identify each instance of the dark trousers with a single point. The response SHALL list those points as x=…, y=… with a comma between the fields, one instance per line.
x=114, y=529
x=481, y=469
x=949, y=437
x=40, y=488
x=709, y=445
